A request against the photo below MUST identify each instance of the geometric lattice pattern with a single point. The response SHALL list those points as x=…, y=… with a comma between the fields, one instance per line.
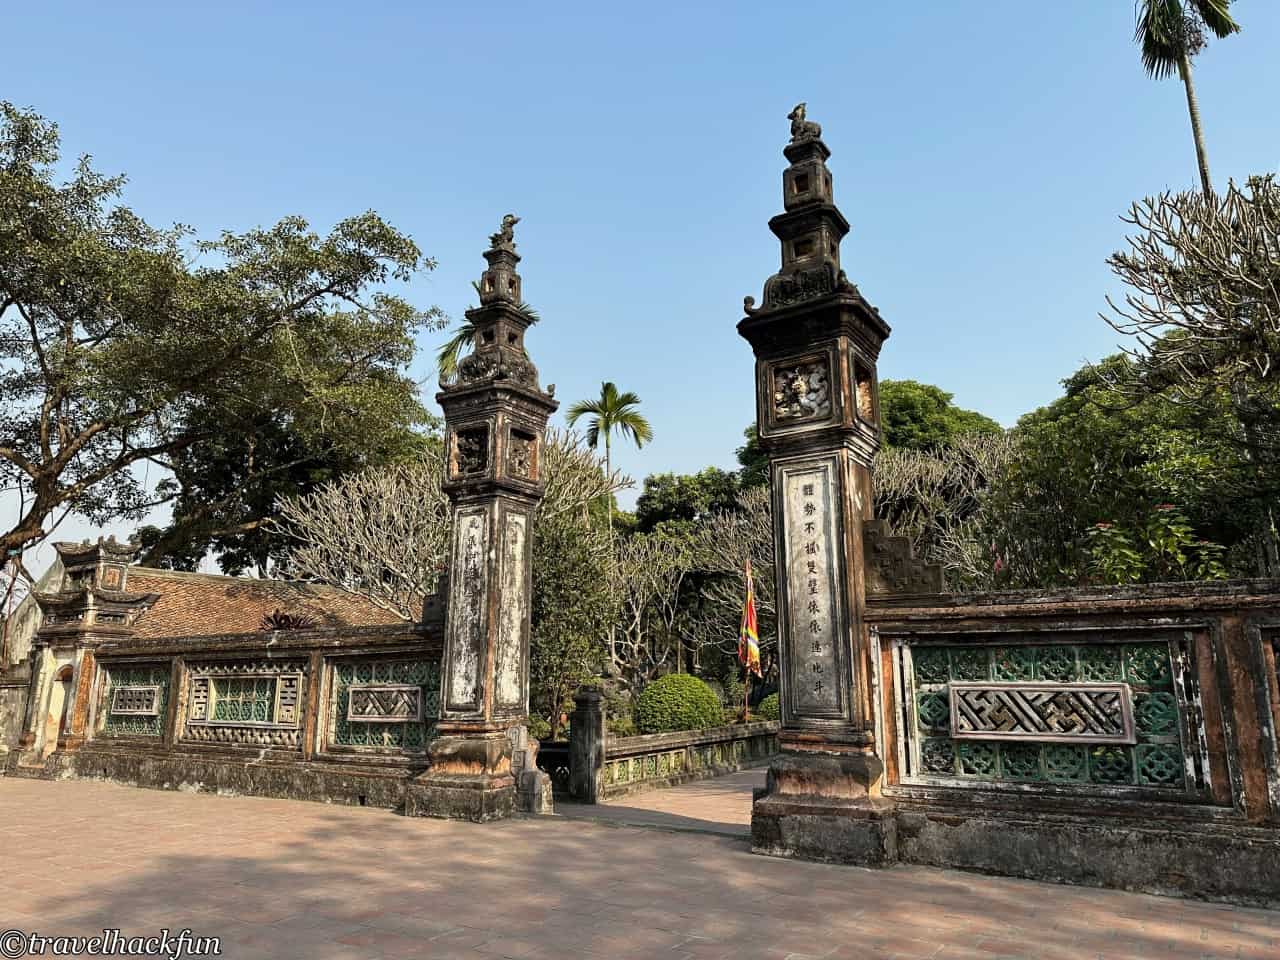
x=1051, y=746
x=245, y=703
x=389, y=703
x=139, y=701
x=244, y=699
x=694, y=759
x=409, y=719
x=1086, y=712
x=121, y=684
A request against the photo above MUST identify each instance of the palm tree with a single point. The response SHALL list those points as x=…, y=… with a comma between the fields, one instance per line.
x=463, y=338
x=613, y=411
x=1170, y=33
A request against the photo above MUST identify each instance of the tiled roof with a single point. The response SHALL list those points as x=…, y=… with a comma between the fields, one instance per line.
x=201, y=604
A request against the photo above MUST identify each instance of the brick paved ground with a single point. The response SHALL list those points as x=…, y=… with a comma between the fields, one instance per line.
x=721, y=805
x=284, y=879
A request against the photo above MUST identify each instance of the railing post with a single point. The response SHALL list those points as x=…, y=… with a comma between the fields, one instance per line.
x=586, y=745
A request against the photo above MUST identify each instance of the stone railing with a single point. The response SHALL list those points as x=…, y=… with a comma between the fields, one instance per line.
x=601, y=767
x=341, y=715
x=1011, y=721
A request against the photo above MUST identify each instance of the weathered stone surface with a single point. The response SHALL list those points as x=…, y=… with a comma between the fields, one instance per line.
x=826, y=830
x=1236, y=864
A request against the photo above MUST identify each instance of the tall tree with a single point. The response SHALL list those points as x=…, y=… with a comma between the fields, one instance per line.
x=611, y=411
x=118, y=348
x=671, y=499
x=920, y=416
x=1170, y=33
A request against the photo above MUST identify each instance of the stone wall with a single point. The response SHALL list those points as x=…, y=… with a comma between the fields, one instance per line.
x=602, y=767
x=13, y=707
x=342, y=715
x=1122, y=737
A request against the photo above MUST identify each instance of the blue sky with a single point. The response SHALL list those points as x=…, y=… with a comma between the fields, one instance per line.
x=982, y=153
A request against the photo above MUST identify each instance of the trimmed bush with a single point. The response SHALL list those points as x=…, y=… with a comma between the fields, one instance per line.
x=677, y=701
x=768, y=708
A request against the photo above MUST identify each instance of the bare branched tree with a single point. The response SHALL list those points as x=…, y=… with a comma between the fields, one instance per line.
x=1203, y=313
x=646, y=580
x=384, y=534
x=937, y=497
x=725, y=542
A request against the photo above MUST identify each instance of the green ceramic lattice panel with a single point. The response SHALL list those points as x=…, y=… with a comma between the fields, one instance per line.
x=244, y=699
x=1156, y=761
x=132, y=725
x=412, y=736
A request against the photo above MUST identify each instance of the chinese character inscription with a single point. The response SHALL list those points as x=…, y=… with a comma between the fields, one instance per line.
x=812, y=611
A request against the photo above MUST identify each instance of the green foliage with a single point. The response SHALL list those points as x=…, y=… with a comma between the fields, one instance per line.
x=684, y=498
x=1160, y=547
x=769, y=708
x=1169, y=31
x=677, y=701
x=123, y=343
x=920, y=416
x=572, y=610
x=753, y=462
x=1097, y=456
x=612, y=411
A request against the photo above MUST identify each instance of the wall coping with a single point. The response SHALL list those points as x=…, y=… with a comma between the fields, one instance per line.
x=675, y=740
x=1137, y=598
x=270, y=640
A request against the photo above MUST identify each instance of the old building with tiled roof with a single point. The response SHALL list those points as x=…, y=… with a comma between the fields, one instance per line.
x=168, y=678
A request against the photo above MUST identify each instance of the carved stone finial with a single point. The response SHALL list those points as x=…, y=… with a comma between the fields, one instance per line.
x=802, y=129
x=504, y=239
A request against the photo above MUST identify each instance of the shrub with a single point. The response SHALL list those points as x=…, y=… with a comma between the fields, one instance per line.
x=768, y=708
x=677, y=701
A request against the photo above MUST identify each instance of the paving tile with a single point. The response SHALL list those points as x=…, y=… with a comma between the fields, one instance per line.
x=282, y=879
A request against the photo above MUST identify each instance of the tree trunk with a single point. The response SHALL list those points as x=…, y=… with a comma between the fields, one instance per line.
x=1193, y=107
x=608, y=472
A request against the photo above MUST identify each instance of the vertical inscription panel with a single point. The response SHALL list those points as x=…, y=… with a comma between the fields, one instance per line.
x=812, y=606
x=467, y=624
x=511, y=657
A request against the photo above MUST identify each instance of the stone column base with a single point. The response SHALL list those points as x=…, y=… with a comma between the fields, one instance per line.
x=470, y=778
x=823, y=807
x=457, y=797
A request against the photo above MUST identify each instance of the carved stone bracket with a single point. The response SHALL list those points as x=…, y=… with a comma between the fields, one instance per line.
x=892, y=566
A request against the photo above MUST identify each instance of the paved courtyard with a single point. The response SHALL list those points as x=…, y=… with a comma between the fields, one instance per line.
x=284, y=879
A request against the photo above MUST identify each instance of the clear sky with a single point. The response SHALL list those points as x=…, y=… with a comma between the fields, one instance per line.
x=982, y=153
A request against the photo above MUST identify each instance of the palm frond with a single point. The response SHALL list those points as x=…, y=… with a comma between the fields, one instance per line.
x=1159, y=32
x=453, y=349
x=1216, y=15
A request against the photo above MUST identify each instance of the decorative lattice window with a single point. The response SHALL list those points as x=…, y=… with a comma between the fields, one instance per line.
x=251, y=704
x=244, y=699
x=136, y=700
x=384, y=704
x=1102, y=715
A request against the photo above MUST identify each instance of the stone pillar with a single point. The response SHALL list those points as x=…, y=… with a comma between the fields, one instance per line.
x=586, y=745
x=816, y=342
x=495, y=419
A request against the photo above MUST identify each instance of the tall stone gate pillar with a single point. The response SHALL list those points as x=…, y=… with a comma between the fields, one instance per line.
x=495, y=417
x=816, y=342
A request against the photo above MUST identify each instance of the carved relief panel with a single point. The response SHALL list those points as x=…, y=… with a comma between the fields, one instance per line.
x=469, y=452
x=799, y=393
x=522, y=455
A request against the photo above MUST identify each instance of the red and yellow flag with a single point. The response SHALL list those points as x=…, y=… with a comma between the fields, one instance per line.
x=749, y=635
